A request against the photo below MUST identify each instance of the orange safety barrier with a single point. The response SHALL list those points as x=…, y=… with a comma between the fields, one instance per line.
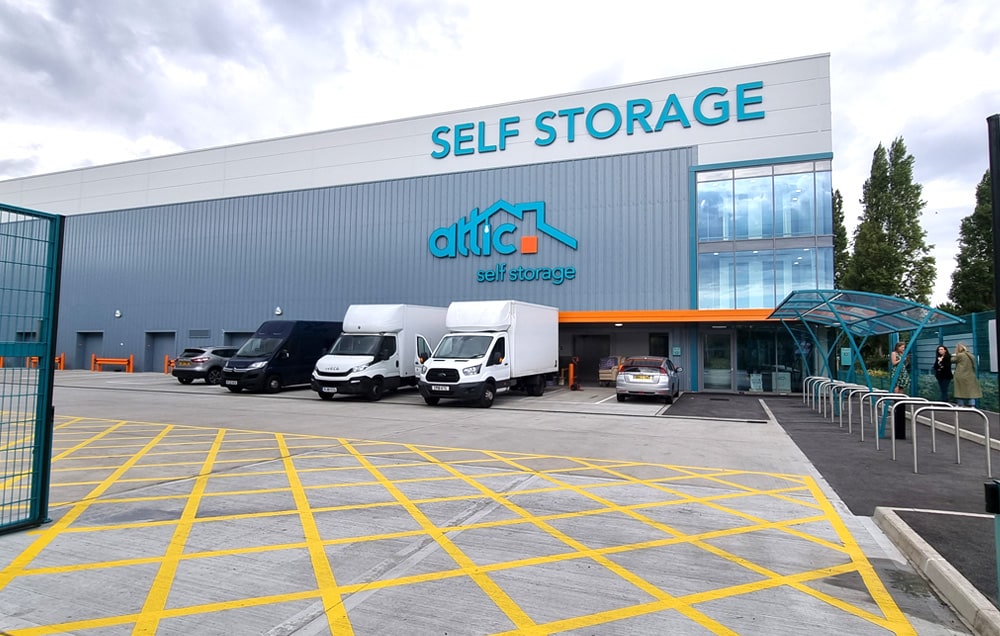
x=60, y=362
x=168, y=364
x=98, y=364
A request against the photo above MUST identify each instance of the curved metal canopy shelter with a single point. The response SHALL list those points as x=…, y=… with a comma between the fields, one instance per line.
x=858, y=316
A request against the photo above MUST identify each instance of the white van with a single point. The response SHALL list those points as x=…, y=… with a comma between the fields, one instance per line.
x=381, y=349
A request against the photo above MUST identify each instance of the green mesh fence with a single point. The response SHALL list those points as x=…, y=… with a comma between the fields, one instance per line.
x=30, y=248
x=975, y=333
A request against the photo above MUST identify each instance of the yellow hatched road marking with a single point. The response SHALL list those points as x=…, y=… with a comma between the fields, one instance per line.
x=156, y=600
x=50, y=534
x=592, y=479
x=333, y=603
x=506, y=604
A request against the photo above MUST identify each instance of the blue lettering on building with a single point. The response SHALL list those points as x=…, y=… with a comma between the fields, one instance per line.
x=491, y=231
x=712, y=106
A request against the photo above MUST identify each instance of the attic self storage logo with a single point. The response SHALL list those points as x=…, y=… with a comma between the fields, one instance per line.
x=490, y=231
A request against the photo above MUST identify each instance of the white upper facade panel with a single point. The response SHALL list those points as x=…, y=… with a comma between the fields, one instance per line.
x=777, y=109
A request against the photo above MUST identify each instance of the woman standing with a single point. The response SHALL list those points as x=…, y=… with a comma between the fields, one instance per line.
x=942, y=370
x=967, y=389
x=903, y=381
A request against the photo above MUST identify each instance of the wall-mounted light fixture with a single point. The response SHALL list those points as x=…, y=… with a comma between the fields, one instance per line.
x=277, y=311
x=118, y=313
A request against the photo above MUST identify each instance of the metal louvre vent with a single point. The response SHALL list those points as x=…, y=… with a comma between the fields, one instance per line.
x=199, y=333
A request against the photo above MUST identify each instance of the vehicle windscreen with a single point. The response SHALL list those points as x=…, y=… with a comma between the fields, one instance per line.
x=356, y=345
x=461, y=347
x=258, y=347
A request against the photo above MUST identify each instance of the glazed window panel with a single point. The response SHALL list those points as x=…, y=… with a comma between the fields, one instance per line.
x=715, y=280
x=715, y=211
x=794, y=205
x=794, y=269
x=754, y=277
x=824, y=203
x=754, y=208
x=824, y=268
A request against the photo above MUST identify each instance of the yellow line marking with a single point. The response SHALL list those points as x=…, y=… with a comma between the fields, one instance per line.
x=599, y=479
x=159, y=590
x=333, y=603
x=49, y=535
x=506, y=604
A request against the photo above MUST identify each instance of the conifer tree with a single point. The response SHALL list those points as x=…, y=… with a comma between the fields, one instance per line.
x=840, y=254
x=890, y=254
x=972, y=286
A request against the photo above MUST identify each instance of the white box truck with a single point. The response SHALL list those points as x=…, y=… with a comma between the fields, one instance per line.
x=381, y=349
x=492, y=346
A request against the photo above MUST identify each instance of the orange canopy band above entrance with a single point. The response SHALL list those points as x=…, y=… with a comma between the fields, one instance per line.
x=667, y=315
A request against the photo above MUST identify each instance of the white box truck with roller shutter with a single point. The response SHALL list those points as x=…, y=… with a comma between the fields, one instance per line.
x=381, y=349
x=492, y=346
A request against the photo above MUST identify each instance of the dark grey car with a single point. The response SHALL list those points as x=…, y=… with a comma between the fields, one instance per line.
x=202, y=363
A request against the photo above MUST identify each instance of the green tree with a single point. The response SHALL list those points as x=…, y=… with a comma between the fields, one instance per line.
x=950, y=308
x=972, y=286
x=890, y=255
x=841, y=256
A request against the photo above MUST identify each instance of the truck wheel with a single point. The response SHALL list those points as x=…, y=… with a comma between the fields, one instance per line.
x=621, y=397
x=376, y=390
x=539, y=389
x=486, y=399
x=272, y=384
x=431, y=400
x=325, y=396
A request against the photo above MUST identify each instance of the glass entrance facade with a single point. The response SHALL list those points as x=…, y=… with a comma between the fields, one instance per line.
x=763, y=231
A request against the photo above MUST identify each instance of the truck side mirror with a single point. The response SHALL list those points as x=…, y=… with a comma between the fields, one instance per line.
x=284, y=355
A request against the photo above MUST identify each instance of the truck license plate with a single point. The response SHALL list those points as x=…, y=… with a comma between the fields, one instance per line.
x=232, y=382
x=440, y=387
x=329, y=389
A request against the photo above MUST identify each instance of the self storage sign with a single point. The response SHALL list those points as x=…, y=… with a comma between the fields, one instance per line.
x=490, y=231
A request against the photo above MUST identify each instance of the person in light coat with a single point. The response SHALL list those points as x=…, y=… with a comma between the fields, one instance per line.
x=967, y=389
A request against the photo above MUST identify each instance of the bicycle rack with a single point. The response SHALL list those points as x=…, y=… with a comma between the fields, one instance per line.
x=861, y=403
x=987, y=442
x=890, y=397
x=850, y=406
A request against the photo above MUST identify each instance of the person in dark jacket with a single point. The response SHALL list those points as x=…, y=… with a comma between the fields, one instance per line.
x=942, y=371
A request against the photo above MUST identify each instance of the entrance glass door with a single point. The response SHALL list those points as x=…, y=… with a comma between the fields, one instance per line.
x=717, y=362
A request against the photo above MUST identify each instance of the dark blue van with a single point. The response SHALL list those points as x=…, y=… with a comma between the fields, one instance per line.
x=281, y=353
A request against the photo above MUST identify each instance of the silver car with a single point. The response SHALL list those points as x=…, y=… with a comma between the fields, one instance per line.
x=203, y=363
x=652, y=376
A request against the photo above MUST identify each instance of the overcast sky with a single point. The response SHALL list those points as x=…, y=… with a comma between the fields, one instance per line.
x=98, y=81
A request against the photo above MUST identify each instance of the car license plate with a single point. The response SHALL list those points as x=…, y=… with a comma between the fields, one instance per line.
x=183, y=363
x=642, y=376
x=440, y=387
x=232, y=382
x=329, y=389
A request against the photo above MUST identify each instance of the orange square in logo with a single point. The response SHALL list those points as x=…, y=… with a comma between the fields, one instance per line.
x=529, y=244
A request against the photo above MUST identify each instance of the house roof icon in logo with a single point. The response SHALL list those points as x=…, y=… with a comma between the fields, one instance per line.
x=480, y=234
